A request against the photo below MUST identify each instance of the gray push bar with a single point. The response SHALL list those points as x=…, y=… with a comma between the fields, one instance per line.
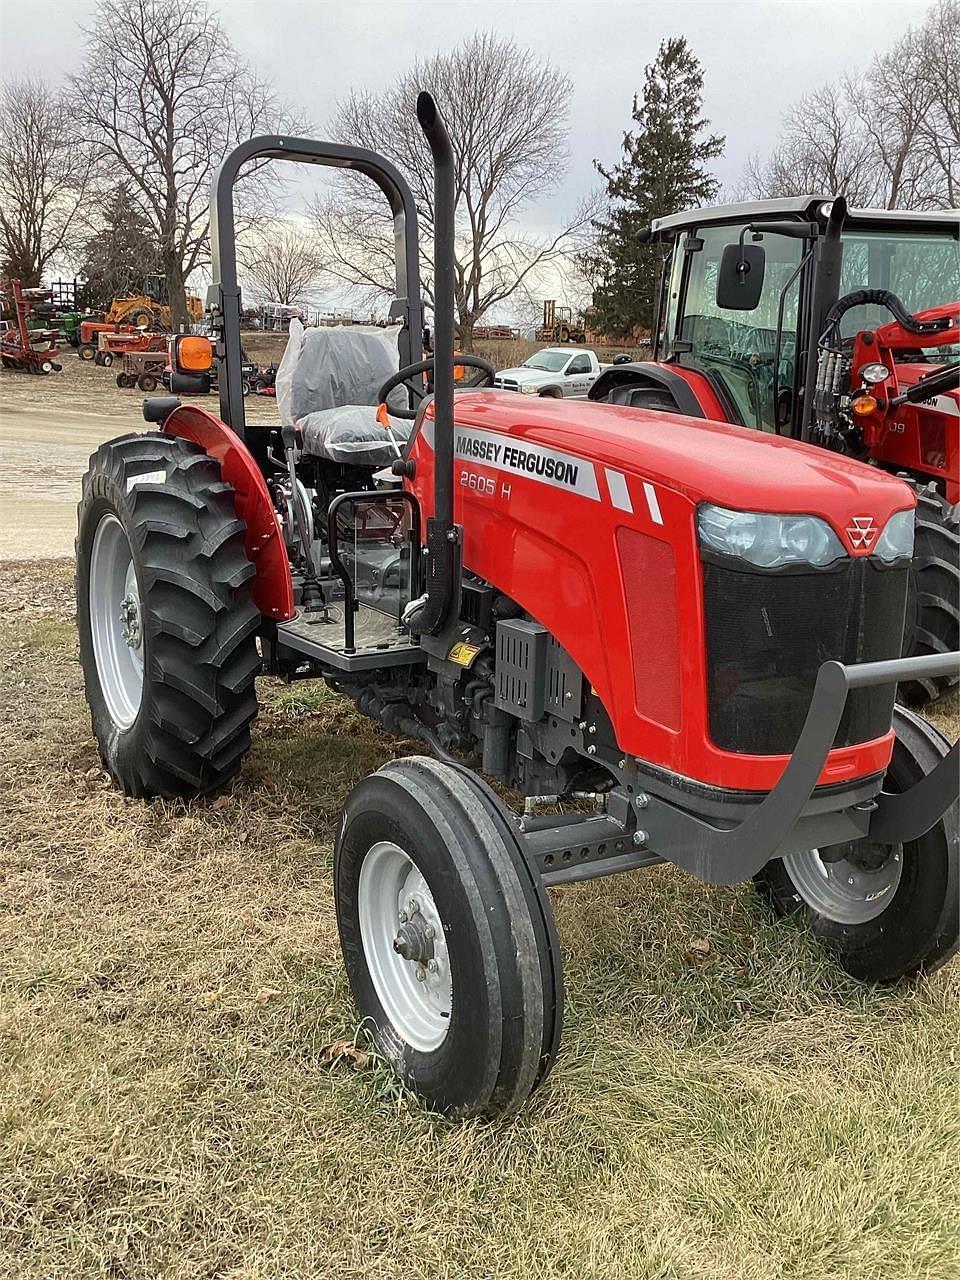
x=729, y=856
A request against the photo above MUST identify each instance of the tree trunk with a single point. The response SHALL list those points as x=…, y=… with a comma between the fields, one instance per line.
x=465, y=335
x=176, y=292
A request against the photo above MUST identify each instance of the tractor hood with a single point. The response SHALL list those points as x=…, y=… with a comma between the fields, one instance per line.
x=704, y=461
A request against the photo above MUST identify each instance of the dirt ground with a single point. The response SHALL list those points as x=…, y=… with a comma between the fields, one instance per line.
x=50, y=425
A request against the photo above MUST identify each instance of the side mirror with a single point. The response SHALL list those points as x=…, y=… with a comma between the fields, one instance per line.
x=740, y=278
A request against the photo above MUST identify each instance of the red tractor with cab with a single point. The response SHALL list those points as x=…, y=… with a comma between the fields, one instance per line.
x=677, y=626
x=805, y=319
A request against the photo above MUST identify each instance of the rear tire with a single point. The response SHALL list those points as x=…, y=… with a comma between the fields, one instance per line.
x=933, y=600
x=478, y=1033
x=912, y=921
x=172, y=546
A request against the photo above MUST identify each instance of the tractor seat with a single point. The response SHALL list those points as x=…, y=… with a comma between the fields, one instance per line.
x=352, y=435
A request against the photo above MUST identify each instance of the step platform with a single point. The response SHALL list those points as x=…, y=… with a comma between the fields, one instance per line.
x=378, y=640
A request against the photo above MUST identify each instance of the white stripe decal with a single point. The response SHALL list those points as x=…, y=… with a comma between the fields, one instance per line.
x=653, y=506
x=619, y=493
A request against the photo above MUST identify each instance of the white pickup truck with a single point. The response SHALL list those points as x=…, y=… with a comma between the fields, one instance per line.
x=560, y=372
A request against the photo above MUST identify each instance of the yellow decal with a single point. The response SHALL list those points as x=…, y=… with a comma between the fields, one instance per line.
x=463, y=654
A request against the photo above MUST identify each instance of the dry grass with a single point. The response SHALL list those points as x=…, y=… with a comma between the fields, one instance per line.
x=169, y=978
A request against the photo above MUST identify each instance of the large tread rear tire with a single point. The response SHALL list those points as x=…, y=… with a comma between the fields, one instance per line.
x=933, y=602
x=506, y=998
x=918, y=929
x=200, y=657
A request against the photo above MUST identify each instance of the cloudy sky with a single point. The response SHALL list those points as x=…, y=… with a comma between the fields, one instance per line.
x=757, y=55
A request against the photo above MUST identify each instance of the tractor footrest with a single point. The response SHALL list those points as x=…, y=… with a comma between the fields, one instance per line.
x=378, y=641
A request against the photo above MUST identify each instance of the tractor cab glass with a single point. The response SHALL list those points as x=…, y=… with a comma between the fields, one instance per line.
x=921, y=268
x=736, y=347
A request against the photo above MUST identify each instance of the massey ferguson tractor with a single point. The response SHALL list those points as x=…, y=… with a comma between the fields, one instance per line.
x=840, y=327
x=671, y=637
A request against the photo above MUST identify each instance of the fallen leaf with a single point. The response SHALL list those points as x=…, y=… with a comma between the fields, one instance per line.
x=266, y=994
x=698, y=955
x=344, y=1051
x=223, y=802
x=211, y=997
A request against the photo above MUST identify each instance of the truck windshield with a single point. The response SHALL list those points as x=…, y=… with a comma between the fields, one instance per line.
x=921, y=268
x=737, y=347
x=549, y=361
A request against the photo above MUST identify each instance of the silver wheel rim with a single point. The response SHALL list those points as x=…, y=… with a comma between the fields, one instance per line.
x=116, y=621
x=845, y=891
x=395, y=904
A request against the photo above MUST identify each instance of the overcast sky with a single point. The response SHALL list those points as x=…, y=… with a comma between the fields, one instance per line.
x=757, y=55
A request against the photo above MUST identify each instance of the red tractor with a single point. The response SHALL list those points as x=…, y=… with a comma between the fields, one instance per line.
x=683, y=632
x=841, y=327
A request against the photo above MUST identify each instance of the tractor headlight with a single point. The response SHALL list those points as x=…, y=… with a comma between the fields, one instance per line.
x=896, y=541
x=768, y=541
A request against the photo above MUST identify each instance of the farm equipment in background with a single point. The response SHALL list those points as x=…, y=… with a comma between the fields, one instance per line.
x=559, y=325
x=89, y=334
x=142, y=369
x=23, y=348
x=151, y=309
x=776, y=316
x=112, y=346
x=677, y=626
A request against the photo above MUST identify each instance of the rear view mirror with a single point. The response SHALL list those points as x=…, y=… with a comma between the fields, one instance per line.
x=740, y=279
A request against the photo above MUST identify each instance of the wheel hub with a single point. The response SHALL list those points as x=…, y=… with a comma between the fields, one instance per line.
x=850, y=883
x=130, y=627
x=116, y=621
x=405, y=946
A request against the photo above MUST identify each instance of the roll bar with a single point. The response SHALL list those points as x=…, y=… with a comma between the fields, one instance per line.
x=223, y=295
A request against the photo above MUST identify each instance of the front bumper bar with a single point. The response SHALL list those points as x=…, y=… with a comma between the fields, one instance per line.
x=779, y=824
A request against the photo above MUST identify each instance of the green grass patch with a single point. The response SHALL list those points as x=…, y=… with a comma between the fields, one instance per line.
x=170, y=978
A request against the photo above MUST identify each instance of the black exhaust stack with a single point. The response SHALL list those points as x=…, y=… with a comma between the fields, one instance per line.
x=443, y=559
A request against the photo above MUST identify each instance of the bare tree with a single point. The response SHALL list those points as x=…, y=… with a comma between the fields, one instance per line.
x=163, y=95
x=44, y=173
x=939, y=70
x=282, y=265
x=890, y=137
x=506, y=112
x=822, y=148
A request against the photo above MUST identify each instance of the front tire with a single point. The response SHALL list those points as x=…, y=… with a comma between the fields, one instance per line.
x=167, y=628
x=885, y=912
x=933, y=601
x=447, y=938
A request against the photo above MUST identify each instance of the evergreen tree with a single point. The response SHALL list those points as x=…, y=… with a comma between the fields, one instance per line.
x=662, y=171
x=123, y=252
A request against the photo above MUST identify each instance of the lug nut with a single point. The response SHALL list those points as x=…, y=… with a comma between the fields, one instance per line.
x=403, y=917
x=591, y=750
x=413, y=906
x=431, y=932
x=642, y=801
x=421, y=973
x=432, y=966
x=640, y=837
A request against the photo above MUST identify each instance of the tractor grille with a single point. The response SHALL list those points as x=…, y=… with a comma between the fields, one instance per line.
x=768, y=633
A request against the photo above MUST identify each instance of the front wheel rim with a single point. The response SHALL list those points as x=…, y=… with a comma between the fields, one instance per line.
x=845, y=891
x=405, y=946
x=116, y=621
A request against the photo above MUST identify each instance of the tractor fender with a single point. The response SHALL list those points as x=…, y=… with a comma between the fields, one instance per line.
x=646, y=373
x=272, y=587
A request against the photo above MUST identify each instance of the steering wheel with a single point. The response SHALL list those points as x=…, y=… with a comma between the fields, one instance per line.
x=405, y=378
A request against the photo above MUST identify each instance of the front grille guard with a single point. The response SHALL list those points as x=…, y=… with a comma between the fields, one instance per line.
x=778, y=824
